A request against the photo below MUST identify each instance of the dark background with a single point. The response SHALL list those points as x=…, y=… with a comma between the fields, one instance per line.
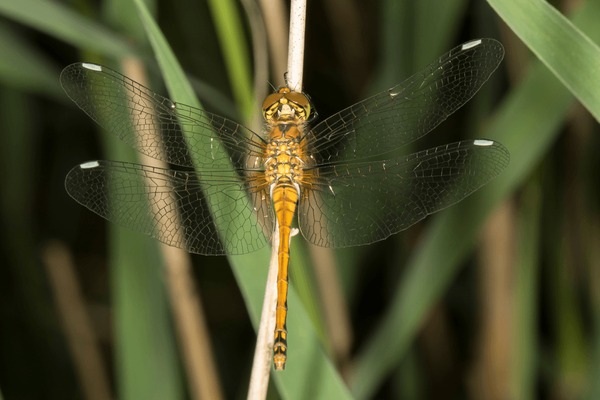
x=516, y=316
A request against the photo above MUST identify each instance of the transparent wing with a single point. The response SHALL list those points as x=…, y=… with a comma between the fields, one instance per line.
x=408, y=111
x=136, y=114
x=360, y=203
x=171, y=206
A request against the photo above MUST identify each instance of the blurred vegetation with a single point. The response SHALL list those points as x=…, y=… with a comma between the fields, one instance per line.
x=496, y=297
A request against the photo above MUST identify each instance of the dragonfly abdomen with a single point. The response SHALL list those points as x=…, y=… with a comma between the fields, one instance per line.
x=285, y=198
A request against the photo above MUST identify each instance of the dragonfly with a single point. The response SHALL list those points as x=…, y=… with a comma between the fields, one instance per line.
x=225, y=189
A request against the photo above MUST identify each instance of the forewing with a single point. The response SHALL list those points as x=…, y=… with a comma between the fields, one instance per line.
x=408, y=111
x=170, y=206
x=152, y=124
x=361, y=203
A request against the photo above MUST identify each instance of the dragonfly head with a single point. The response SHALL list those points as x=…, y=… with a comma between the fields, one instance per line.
x=285, y=105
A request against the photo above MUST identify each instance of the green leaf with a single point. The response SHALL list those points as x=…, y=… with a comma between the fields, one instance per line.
x=571, y=55
x=237, y=59
x=147, y=362
x=308, y=371
x=56, y=20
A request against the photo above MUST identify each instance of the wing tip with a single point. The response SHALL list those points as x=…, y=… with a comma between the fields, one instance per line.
x=92, y=67
x=470, y=44
x=483, y=142
x=89, y=165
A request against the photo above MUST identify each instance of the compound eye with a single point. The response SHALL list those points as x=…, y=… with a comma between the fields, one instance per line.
x=270, y=100
x=301, y=100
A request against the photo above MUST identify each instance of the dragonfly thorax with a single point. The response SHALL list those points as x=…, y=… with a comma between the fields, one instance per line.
x=284, y=162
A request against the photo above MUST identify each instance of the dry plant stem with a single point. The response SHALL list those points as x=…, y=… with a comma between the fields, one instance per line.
x=76, y=323
x=495, y=343
x=185, y=302
x=296, y=45
x=263, y=353
x=191, y=326
x=259, y=380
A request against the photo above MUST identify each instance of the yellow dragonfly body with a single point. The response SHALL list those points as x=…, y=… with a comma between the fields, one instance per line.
x=286, y=113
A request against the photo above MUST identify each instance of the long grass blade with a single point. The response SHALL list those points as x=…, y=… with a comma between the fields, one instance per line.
x=565, y=49
x=453, y=233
